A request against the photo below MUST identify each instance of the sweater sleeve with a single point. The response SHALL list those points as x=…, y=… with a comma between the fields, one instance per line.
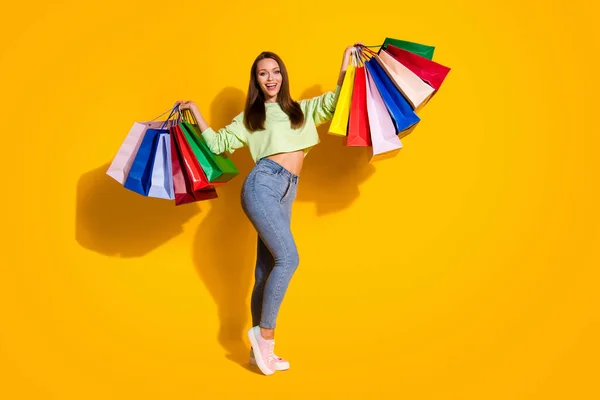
x=321, y=108
x=229, y=138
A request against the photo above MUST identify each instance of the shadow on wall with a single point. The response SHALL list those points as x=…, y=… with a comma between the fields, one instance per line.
x=224, y=245
x=332, y=171
x=114, y=221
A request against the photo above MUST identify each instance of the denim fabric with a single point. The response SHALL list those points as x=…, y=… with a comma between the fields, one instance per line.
x=267, y=196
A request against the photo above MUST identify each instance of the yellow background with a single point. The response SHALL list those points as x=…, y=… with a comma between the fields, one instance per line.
x=466, y=267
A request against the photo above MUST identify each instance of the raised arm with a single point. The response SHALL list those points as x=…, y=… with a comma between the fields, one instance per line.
x=228, y=139
x=345, y=63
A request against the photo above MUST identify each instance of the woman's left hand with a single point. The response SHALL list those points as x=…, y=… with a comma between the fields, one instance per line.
x=350, y=49
x=348, y=52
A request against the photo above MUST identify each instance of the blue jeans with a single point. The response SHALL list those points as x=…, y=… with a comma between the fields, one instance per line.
x=267, y=196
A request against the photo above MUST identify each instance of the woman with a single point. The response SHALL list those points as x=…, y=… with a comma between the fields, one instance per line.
x=279, y=132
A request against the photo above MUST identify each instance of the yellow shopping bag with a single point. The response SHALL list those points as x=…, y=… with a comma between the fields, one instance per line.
x=339, y=123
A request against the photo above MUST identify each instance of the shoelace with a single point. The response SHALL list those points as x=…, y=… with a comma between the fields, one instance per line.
x=271, y=354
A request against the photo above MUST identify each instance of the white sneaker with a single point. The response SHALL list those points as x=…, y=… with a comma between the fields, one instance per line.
x=281, y=364
x=264, y=349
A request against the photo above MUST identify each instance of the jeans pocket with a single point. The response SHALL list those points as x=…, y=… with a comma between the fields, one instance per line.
x=270, y=185
x=289, y=191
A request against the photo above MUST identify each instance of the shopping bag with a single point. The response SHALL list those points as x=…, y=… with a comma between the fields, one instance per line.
x=210, y=170
x=190, y=163
x=182, y=186
x=403, y=116
x=358, y=121
x=339, y=123
x=414, y=89
x=140, y=174
x=422, y=50
x=429, y=71
x=161, y=182
x=383, y=133
x=121, y=163
x=218, y=168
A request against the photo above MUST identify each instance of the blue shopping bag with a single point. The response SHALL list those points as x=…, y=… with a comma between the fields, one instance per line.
x=140, y=175
x=402, y=114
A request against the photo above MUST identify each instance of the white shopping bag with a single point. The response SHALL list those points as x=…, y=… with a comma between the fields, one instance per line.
x=384, y=140
x=414, y=89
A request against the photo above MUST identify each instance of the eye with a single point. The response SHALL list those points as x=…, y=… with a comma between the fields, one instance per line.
x=277, y=72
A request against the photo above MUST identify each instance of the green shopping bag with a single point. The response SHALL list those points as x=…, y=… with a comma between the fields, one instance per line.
x=218, y=168
x=415, y=48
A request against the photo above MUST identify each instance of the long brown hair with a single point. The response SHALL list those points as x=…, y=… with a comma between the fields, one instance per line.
x=254, y=113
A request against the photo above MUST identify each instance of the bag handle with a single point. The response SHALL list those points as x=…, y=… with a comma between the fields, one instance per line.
x=366, y=49
x=170, y=109
x=176, y=108
x=362, y=56
x=189, y=117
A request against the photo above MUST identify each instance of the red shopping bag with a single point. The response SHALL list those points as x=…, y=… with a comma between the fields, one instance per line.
x=428, y=70
x=189, y=162
x=181, y=183
x=358, y=123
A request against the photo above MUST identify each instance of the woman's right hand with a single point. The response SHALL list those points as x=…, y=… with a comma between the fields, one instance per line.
x=185, y=104
x=190, y=105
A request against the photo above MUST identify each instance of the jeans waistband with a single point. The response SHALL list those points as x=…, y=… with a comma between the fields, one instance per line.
x=277, y=169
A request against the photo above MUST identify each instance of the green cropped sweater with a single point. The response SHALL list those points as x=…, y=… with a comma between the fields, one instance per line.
x=278, y=136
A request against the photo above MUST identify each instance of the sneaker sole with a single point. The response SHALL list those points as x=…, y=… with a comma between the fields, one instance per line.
x=278, y=366
x=259, y=362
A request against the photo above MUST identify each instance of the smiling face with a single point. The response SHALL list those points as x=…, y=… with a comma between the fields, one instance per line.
x=269, y=78
x=269, y=82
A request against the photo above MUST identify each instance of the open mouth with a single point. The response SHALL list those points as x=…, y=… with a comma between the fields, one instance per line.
x=271, y=86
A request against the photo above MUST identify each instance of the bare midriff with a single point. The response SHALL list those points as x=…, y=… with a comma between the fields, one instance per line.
x=291, y=161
